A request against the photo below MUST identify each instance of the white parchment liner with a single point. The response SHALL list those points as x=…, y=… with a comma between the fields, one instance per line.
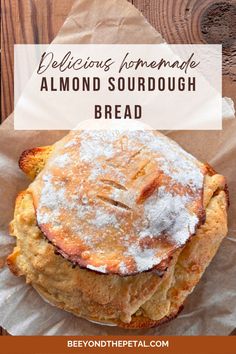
x=211, y=308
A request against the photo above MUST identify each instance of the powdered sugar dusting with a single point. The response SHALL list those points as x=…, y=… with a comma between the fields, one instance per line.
x=96, y=144
x=62, y=161
x=168, y=214
x=102, y=218
x=123, y=268
x=145, y=259
x=175, y=162
x=90, y=191
x=71, y=143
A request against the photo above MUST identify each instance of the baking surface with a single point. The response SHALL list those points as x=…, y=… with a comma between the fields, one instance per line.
x=179, y=21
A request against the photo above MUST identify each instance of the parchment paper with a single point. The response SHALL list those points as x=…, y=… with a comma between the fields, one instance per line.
x=211, y=308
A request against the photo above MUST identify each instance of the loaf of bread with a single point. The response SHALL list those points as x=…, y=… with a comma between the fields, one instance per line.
x=117, y=227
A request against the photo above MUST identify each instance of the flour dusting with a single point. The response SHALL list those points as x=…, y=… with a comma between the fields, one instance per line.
x=90, y=193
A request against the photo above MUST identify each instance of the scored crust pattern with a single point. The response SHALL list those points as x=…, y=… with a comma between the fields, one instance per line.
x=119, y=202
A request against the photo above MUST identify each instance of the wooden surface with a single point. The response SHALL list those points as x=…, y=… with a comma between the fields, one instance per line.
x=26, y=21
x=179, y=21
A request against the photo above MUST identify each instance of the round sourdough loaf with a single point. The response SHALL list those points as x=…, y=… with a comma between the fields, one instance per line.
x=117, y=227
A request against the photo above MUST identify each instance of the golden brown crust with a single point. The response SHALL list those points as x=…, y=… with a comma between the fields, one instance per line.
x=35, y=258
x=139, y=322
x=11, y=262
x=210, y=170
x=32, y=161
x=136, y=301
